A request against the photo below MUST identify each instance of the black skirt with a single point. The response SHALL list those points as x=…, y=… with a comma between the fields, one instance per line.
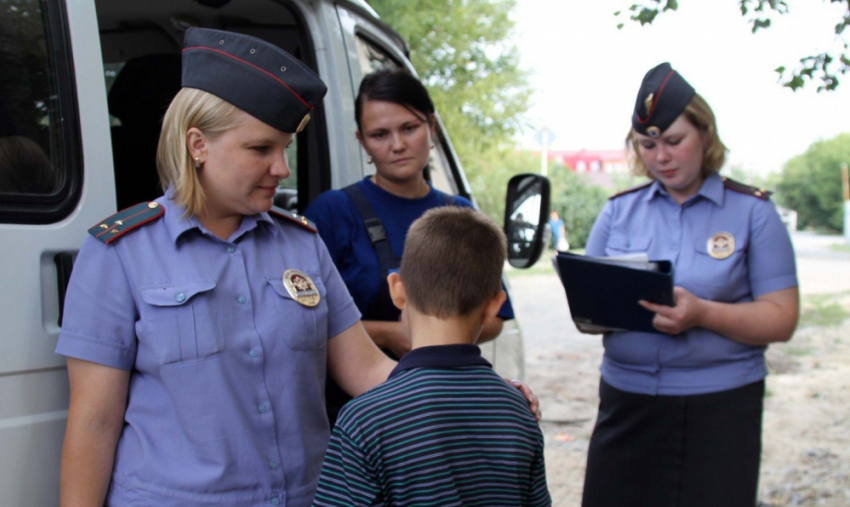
x=675, y=451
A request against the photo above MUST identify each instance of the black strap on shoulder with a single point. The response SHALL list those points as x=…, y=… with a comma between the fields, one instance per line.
x=374, y=226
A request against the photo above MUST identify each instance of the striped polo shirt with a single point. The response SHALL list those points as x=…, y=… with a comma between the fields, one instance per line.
x=444, y=430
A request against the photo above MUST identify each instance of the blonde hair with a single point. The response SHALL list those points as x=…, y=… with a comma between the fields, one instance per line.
x=190, y=108
x=699, y=114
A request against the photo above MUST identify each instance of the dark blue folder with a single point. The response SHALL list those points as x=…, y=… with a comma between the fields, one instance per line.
x=604, y=294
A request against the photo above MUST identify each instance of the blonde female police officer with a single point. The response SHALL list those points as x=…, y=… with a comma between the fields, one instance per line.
x=680, y=413
x=196, y=368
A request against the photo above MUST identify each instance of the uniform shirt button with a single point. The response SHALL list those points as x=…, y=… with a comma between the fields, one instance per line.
x=180, y=297
x=231, y=249
x=241, y=300
x=275, y=501
x=263, y=409
x=253, y=353
x=272, y=464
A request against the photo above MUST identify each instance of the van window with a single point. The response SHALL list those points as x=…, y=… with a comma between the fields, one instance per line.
x=373, y=57
x=142, y=70
x=38, y=124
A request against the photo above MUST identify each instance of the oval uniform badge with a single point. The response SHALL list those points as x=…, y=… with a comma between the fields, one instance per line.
x=301, y=287
x=721, y=245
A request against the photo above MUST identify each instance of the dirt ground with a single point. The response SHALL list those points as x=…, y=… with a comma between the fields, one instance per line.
x=806, y=442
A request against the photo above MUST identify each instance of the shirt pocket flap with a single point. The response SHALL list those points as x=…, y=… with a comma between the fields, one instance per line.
x=629, y=244
x=174, y=295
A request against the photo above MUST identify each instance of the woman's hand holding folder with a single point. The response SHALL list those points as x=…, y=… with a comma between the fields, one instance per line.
x=679, y=318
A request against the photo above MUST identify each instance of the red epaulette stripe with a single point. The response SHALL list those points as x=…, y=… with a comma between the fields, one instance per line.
x=134, y=226
x=122, y=219
x=258, y=68
x=742, y=188
x=630, y=190
x=294, y=220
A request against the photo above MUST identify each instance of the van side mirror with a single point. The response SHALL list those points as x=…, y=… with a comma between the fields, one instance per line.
x=526, y=209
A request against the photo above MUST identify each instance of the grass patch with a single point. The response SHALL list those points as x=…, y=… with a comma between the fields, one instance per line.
x=823, y=310
x=839, y=247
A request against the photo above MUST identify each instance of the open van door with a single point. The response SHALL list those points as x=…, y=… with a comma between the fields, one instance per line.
x=370, y=46
x=55, y=183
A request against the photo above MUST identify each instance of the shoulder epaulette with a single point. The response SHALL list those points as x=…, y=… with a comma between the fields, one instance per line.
x=630, y=190
x=126, y=220
x=735, y=186
x=294, y=218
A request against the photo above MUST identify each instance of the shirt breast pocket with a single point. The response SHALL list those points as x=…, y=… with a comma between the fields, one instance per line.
x=722, y=276
x=303, y=327
x=621, y=244
x=179, y=322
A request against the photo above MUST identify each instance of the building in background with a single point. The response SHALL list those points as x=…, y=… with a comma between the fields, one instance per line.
x=606, y=168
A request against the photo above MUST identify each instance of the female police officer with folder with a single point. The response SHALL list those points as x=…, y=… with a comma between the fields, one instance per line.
x=198, y=327
x=680, y=413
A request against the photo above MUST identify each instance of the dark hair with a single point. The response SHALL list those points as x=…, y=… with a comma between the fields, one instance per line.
x=453, y=260
x=397, y=86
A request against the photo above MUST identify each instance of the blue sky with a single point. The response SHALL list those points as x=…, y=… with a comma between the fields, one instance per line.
x=586, y=73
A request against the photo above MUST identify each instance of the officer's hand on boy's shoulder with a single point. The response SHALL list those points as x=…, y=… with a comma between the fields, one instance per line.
x=533, y=402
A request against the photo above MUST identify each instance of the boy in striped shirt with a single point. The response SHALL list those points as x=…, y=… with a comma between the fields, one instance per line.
x=444, y=429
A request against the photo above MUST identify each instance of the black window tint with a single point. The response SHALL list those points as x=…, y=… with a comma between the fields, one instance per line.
x=36, y=178
x=373, y=58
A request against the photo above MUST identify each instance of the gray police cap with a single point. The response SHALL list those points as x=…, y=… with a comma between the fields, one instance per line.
x=261, y=79
x=662, y=97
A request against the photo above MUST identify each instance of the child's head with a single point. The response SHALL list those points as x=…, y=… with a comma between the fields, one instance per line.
x=452, y=263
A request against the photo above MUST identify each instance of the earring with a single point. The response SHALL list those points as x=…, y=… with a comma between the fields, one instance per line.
x=369, y=160
x=197, y=162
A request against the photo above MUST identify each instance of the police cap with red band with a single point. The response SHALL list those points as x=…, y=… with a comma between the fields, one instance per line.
x=663, y=96
x=261, y=79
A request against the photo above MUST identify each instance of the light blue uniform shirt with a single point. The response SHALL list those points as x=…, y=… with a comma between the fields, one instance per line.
x=226, y=396
x=649, y=220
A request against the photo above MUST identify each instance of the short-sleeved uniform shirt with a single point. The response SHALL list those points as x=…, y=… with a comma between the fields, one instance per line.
x=344, y=233
x=649, y=220
x=226, y=396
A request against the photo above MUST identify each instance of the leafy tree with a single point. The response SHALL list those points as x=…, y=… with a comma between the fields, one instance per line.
x=823, y=67
x=489, y=174
x=577, y=201
x=463, y=52
x=811, y=184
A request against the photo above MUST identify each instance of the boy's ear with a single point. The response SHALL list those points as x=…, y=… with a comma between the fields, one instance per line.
x=492, y=307
x=397, y=293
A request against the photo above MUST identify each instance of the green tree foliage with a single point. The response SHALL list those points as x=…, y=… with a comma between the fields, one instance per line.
x=489, y=176
x=811, y=184
x=577, y=201
x=463, y=52
x=822, y=67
